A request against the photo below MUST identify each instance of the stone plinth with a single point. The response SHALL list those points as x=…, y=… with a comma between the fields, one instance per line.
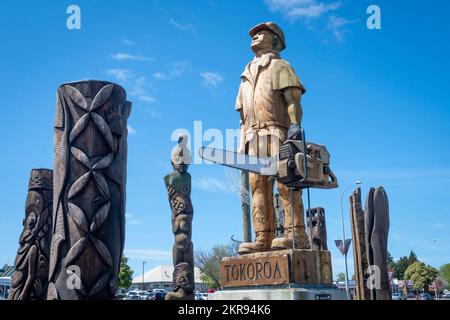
x=282, y=267
x=280, y=293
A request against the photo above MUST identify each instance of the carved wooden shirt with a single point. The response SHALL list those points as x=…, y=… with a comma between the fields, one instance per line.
x=260, y=99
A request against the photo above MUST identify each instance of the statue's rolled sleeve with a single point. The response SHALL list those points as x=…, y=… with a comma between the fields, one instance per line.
x=284, y=77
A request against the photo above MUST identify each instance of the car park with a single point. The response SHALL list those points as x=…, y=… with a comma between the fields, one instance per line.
x=158, y=295
x=398, y=296
x=425, y=296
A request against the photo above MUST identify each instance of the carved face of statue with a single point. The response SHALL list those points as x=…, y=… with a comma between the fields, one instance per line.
x=263, y=41
x=33, y=209
x=186, y=280
x=182, y=168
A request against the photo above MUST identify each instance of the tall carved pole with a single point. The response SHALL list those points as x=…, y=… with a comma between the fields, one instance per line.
x=90, y=153
x=178, y=185
x=245, y=205
x=376, y=230
x=359, y=245
x=30, y=279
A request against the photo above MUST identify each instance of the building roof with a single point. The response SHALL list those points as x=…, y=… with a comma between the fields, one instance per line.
x=7, y=271
x=163, y=273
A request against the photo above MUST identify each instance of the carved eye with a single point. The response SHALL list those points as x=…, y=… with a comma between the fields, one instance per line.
x=31, y=220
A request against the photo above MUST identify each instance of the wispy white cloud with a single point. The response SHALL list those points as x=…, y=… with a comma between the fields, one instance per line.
x=120, y=74
x=128, y=42
x=295, y=9
x=141, y=87
x=210, y=184
x=325, y=12
x=337, y=26
x=126, y=56
x=183, y=27
x=211, y=79
x=132, y=132
x=131, y=218
x=148, y=254
x=148, y=99
x=176, y=69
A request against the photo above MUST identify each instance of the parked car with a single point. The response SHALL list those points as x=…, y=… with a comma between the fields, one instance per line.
x=425, y=296
x=411, y=296
x=201, y=296
x=132, y=295
x=158, y=295
x=398, y=296
x=159, y=290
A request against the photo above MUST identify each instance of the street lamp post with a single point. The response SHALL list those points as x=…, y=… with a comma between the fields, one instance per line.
x=143, y=264
x=343, y=238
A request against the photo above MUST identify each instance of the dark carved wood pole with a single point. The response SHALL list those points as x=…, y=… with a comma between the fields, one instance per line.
x=30, y=279
x=178, y=185
x=90, y=155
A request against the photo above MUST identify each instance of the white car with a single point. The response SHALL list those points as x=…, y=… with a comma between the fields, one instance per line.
x=5, y=285
x=201, y=296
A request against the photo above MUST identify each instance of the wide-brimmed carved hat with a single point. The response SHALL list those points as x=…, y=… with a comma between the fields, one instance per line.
x=272, y=27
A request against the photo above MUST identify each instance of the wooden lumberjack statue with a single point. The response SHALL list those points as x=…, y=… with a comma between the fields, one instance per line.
x=178, y=185
x=272, y=144
x=269, y=103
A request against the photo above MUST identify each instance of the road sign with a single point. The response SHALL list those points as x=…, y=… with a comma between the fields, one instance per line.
x=343, y=248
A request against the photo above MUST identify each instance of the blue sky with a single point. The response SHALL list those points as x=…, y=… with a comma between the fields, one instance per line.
x=378, y=99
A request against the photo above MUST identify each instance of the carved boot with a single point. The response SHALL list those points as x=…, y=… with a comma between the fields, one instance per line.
x=262, y=243
x=285, y=242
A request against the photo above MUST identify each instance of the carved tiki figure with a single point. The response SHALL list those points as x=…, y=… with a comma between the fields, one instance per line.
x=90, y=154
x=30, y=278
x=319, y=229
x=269, y=104
x=183, y=283
x=178, y=185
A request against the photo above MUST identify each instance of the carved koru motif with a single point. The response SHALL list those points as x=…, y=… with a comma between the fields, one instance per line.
x=30, y=279
x=319, y=229
x=178, y=185
x=89, y=197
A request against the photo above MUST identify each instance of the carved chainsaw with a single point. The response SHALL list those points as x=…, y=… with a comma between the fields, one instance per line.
x=298, y=165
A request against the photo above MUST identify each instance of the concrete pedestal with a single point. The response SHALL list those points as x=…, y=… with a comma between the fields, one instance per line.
x=280, y=293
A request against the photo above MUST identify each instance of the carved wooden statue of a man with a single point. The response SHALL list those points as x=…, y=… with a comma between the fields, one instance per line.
x=178, y=185
x=269, y=105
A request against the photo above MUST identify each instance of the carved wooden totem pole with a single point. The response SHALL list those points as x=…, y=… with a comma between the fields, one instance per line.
x=90, y=155
x=377, y=229
x=30, y=279
x=319, y=229
x=178, y=185
x=370, y=230
x=359, y=245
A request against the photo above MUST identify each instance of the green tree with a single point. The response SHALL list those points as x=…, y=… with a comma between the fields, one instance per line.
x=445, y=272
x=125, y=274
x=209, y=262
x=402, y=264
x=422, y=275
x=341, y=276
x=391, y=262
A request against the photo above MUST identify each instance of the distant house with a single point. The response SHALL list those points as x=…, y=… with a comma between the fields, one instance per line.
x=160, y=277
x=7, y=271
